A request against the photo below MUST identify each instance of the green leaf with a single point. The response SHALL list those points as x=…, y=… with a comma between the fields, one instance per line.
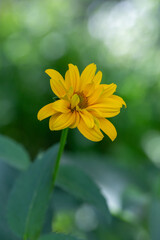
x=30, y=196
x=13, y=153
x=56, y=236
x=78, y=183
x=154, y=219
x=7, y=179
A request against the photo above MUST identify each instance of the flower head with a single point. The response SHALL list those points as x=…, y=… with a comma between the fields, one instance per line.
x=83, y=102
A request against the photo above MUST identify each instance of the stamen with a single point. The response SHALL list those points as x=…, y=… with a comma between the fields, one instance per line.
x=83, y=100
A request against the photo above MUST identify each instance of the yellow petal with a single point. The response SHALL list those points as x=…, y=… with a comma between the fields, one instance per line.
x=93, y=98
x=61, y=106
x=87, y=118
x=54, y=74
x=89, y=89
x=109, y=89
x=57, y=82
x=110, y=114
x=74, y=101
x=67, y=80
x=96, y=121
x=95, y=112
x=98, y=77
x=117, y=98
x=93, y=134
x=73, y=78
x=76, y=120
x=46, y=111
x=108, y=128
x=104, y=113
x=58, y=88
x=87, y=75
x=69, y=94
x=109, y=103
x=61, y=120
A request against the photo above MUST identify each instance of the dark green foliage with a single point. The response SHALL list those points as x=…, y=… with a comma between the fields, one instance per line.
x=122, y=37
x=30, y=196
x=13, y=153
x=56, y=236
x=7, y=179
x=154, y=219
x=76, y=182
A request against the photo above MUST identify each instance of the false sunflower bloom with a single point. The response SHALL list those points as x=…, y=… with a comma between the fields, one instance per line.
x=83, y=102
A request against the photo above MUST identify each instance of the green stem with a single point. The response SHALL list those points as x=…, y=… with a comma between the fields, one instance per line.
x=60, y=151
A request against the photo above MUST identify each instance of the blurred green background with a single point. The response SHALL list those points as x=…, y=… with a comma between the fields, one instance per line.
x=123, y=39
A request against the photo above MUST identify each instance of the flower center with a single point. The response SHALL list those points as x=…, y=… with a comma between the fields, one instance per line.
x=83, y=100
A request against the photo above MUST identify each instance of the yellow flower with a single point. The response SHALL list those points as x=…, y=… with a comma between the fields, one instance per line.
x=83, y=103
